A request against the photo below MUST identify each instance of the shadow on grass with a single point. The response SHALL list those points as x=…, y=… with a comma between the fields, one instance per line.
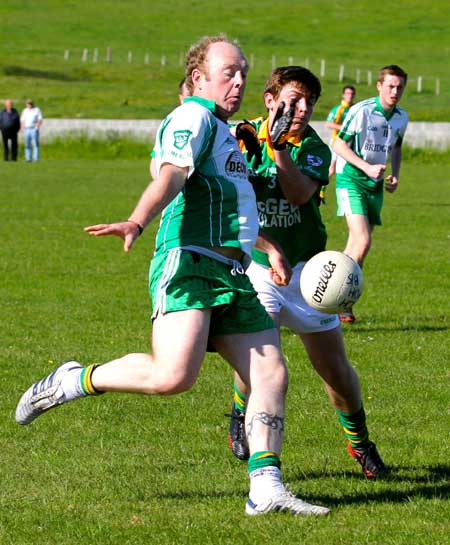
x=44, y=74
x=432, y=482
x=429, y=486
x=396, y=329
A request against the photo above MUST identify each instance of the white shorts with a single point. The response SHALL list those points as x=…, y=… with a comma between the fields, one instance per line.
x=287, y=301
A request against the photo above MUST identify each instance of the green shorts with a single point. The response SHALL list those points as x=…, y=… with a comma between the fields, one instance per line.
x=356, y=200
x=183, y=279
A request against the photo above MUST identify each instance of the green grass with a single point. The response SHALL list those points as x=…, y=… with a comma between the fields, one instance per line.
x=359, y=35
x=128, y=469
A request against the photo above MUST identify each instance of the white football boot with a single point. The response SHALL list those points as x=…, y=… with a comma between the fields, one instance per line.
x=285, y=501
x=45, y=394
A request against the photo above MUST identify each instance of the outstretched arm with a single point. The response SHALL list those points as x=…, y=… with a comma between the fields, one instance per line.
x=155, y=198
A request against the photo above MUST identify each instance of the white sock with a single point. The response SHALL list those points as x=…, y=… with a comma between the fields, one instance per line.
x=71, y=384
x=265, y=483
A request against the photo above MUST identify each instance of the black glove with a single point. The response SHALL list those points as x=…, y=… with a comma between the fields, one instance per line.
x=281, y=125
x=246, y=132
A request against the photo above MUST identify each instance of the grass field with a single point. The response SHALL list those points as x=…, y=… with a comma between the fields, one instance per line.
x=359, y=35
x=123, y=469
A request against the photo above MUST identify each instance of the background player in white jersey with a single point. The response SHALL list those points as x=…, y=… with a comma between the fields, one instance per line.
x=372, y=134
x=287, y=181
x=198, y=286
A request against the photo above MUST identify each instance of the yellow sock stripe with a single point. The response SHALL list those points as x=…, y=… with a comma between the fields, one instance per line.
x=267, y=454
x=355, y=437
x=86, y=380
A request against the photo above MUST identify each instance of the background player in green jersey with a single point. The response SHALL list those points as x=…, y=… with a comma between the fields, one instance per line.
x=287, y=182
x=197, y=281
x=372, y=134
x=335, y=119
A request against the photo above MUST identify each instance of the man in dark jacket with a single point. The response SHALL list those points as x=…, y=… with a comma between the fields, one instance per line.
x=10, y=127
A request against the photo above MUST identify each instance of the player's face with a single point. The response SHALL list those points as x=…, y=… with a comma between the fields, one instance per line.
x=224, y=80
x=390, y=91
x=348, y=96
x=304, y=105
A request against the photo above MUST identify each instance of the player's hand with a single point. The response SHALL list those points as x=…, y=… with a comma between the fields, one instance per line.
x=246, y=132
x=391, y=183
x=280, y=269
x=128, y=231
x=281, y=124
x=375, y=171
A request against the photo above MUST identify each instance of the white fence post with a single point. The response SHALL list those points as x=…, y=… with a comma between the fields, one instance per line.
x=322, y=68
x=419, y=84
x=341, y=72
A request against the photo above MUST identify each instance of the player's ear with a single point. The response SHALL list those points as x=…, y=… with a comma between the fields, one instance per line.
x=269, y=101
x=196, y=77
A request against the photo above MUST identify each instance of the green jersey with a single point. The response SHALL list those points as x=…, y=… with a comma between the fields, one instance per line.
x=337, y=115
x=371, y=133
x=298, y=229
x=216, y=206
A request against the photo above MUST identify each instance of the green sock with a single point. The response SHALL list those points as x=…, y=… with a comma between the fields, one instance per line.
x=355, y=428
x=262, y=459
x=86, y=380
x=239, y=399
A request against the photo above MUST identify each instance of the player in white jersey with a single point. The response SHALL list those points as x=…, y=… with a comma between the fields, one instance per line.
x=371, y=136
x=199, y=288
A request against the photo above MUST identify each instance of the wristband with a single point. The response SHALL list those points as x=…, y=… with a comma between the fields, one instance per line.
x=138, y=225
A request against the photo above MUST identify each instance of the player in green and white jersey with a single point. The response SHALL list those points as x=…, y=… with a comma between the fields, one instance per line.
x=287, y=182
x=371, y=136
x=200, y=292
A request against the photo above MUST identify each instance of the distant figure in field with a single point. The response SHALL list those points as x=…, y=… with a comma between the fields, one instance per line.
x=372, y=134
x=10, y=127
x=31, y=120
x=336, y=118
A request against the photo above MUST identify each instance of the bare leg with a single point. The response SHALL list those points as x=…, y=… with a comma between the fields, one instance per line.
x=359, y=237
x=327, y=354
x=258, y=360
x=172, y=368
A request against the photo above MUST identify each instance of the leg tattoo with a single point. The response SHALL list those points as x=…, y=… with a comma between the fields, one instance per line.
x=275, y=422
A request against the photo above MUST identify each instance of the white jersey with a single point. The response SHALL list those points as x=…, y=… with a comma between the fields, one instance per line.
x=217, y=205
x=371, y=133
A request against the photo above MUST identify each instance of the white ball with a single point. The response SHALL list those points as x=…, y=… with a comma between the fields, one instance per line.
x=331, y=282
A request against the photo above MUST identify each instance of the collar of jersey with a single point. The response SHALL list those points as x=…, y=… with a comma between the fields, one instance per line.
x=264, y=136
x=379, y=108
x=345, y=104
x=210, y=104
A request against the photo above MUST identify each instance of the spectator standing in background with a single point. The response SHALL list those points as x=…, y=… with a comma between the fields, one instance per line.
x=31, y=120
x=10, y=127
